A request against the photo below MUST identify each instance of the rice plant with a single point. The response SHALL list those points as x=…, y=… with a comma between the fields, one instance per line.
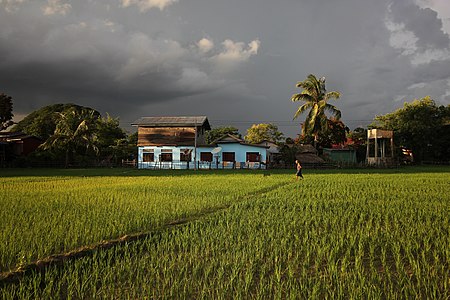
x=41, y=216
x=344, y=235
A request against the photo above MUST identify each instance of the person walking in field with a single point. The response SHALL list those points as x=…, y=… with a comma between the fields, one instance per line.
x=299, y=170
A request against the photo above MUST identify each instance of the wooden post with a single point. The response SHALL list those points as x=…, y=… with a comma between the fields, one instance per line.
x=368, y=146
x=392, y=148
x=376, y=149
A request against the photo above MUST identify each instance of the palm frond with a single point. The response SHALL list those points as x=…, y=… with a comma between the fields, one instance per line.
x=315, y=96
x=302, y=109
x=334, y=110
x=302, y=97
x=316, y=86
x=312, y=78
x=323, y=124
x=312, y=117
x=311, y=85
x=332, y=95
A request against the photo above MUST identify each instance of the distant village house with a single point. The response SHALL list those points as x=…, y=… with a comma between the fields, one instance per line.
x=15, y=144
x=179, y=143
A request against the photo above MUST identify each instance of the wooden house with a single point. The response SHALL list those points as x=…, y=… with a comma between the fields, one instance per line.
x=179, y=143
x=173, y=131
x=15, y=144
x=168, y=142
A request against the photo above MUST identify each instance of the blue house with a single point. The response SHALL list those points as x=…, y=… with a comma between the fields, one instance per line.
x=231, y=152
x=179, y=143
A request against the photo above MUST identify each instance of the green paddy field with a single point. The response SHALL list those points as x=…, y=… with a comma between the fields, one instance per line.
x=139, y=234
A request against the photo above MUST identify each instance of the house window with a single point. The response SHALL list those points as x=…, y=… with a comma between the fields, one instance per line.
x=206, y=156
x=228, y=156
x=185, y=154
x=253, y=157
x=166, y=154
x=148, y=155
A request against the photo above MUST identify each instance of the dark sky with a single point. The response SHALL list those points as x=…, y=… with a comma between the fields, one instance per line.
x=235, y=61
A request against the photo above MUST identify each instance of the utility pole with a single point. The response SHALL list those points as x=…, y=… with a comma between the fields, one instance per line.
x=195, y=145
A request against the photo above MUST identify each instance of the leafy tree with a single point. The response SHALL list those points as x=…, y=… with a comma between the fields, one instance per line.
x=218, y=132
x=288, y=152
x=42, y=122
x=334, y=133
x=358, y=135
x=67, y=137
x=133, y=138
x=421, y=126
x=75, y=130
x=316, y=99
x=260, y=132
x=125, y=148
x=359, y=142
x=6, y=114
x=109, y=135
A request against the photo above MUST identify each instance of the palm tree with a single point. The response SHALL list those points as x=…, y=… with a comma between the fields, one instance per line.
x=316, y=99
x=74, y=130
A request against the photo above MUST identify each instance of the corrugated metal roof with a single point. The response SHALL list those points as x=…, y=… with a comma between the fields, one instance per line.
x=172, y=121
x=9, y=134
x=229, y=138
x=14, y=136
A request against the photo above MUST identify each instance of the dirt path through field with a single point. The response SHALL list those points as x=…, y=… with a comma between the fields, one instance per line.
x=41, y=265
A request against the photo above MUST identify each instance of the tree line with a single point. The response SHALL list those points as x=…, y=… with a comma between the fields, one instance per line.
x=73, y=133
x=421, y=126
x=76, y=134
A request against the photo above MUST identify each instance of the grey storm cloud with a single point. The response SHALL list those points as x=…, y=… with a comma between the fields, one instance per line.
x=423, y=22
x=97, y=55
x=234, y=61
